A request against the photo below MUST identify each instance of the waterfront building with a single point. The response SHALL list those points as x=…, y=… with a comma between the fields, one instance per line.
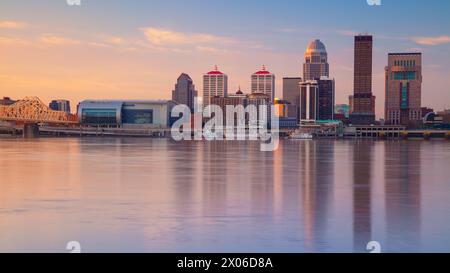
x=403, y=89
x=308, y=101
x=184, y=92
x=60, y=105
x=291, y=93
x=317, y=100
x=283, y=106
x=326, y=98
x=263, y=82
x=215, y=84
x=316, y=61
x=239, y=98
x=343, y=109
x=130, y=113
x=7, y=101
x=362, y=102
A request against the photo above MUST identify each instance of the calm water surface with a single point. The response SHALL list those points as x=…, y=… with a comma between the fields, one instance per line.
x=141, y=195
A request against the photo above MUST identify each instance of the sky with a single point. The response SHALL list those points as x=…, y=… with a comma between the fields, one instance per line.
x=135, y=49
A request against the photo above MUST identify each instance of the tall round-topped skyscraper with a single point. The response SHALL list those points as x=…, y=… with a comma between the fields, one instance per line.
x=316, y=61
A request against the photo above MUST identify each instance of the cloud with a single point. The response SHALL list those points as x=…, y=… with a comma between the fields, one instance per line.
x=431, y=41
x=116, y=40
x=58, y=40
x=12, y=41
x=347, y=32
x=160, y=37
x=12, y=24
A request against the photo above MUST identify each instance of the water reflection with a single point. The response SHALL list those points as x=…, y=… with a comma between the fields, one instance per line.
x=161, y=196
x=402, y=195
x=362, y=198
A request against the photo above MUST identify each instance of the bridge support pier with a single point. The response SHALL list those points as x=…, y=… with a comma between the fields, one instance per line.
x=30, y=130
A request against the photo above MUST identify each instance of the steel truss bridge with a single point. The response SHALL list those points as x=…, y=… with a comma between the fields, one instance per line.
x=33, y=110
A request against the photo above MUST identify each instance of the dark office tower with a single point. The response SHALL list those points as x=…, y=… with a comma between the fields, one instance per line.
x=60, y=105
x=184, y=92
x=363, y=101
x=291, y=93
x=326, y=99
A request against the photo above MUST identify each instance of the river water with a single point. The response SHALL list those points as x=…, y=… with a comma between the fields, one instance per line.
x=157, y=195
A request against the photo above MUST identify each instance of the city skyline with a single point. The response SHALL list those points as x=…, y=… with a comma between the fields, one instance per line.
x=132, y=54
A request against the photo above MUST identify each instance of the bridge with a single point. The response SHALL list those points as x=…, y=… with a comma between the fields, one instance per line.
x=33, y=110
x=25, y=115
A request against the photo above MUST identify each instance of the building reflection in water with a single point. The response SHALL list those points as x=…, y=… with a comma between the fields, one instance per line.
x=316, y=181
x=403, y=195
x=362, y=183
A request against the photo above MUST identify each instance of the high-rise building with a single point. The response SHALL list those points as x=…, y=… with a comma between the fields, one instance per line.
x=403, y=104
x=308, y=101
x=316, y=61
x=363, y=101
x=184, y=92
x=291, y=93
x=215, y=84
x=317, y=100
x=264, y=82
x=326, y=99
x=60, y=105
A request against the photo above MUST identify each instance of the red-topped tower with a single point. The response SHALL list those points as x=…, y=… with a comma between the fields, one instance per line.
x=215, y=84
x=263, y=81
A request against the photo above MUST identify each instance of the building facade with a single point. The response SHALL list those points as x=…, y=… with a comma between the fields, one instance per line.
x=215, y=84
x=184, y=92
x=309, y=91
x=263, y=82
x=317, y=100
x=403, y=104
x=326, y=99
x=316, y=61
x=60, y=105
x=363, y=101
x=291, y=93
x=108, y=113
x=343, y=109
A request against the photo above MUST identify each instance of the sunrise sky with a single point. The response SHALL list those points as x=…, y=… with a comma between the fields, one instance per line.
x=136, y=49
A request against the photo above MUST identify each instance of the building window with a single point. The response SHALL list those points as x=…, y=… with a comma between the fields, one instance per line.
x=99, y=117
x=137, y=116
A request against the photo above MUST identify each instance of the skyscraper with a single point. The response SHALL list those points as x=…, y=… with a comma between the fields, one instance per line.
x=60, y=105
x=264, y=82
x=326, y=98
x=403, y=88
x=362, y=101
x=184, y=92
x=316, y=61
x=215, y=83
x=317, y=100
x=291, y=93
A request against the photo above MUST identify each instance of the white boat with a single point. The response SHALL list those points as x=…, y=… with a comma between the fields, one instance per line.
x=301, y=136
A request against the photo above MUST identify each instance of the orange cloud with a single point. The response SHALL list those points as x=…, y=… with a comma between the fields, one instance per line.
x=12, y=41
x=444, y=39
x=159, y=36
x=12, y=24
x=58, y=40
